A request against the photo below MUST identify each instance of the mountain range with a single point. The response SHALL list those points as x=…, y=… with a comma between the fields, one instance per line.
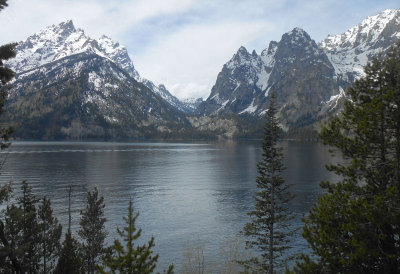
x=69, y=85
x=308, y=78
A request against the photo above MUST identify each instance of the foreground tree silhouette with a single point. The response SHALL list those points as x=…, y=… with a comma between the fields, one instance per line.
x=69, y=261
x=92, y=230
x=6, y=74
x=30, y=238
x=20, y=233
x=6, y=52
x=269, y=228
x=131, y=259
x=50, y=231
x=355, y=226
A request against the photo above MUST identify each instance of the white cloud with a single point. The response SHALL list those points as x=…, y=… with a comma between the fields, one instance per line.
x=112, y=17
x=188, y=61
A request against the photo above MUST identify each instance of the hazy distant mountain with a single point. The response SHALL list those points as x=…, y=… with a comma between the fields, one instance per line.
x=309, y=79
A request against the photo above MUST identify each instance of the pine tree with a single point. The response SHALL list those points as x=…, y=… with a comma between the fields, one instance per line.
x=3, y=3
x=7, y=253
x=269, y=230
x=29, y=241
x=355, y=226
x=50, y=231
x=69, y=261
x=131, y=258
x=6, y=52
x=10, y=233
x=92, y=230
x=20, y=235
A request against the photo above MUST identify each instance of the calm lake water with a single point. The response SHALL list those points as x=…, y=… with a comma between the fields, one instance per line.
x=183, y=191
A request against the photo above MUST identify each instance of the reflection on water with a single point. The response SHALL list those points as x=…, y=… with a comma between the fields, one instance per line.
x=181, y=190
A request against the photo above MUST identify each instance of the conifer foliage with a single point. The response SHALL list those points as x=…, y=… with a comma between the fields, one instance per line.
x=269, y=229
x=29, y=235
x=29, y=227
x=69, y=261
x=6, y=74
x=355, y=226
x=131, y=258
x=3, y=4
x=92, y=230
x=50, y=234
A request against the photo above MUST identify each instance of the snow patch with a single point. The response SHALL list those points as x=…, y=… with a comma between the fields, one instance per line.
x=250, y=109
x=262, y=113
x=95, y=80
x=267, y=91
x=335, y=98
x=263, y=78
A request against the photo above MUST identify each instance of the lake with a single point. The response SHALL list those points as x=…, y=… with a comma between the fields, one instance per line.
x=184, y=192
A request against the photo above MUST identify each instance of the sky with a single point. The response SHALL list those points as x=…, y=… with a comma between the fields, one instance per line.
x=184, y=44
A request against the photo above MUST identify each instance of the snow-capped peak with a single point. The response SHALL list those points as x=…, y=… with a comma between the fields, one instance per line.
x=350, y=51
x=65, y=27
x=242, y=50
x=297, y=32
x=297, y=36
x=241, y=54
x=51, y=43
x=368, y=30
x=118, y=54
x=58, y=41
x=62, y=40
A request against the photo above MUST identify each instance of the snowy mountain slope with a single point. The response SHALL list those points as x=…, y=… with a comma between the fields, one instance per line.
x=62, y=40
x=350, y=51
x=87, y=96
x=192, y=103
x=308, y=79
x=287, y=67
x=239, y=76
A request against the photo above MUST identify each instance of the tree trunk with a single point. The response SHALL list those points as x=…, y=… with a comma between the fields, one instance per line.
x=271, y=235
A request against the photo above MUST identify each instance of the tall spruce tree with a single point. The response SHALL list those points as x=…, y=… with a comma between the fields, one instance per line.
x=21, y=233
x=6, y=74
x=269, y=230
x=6, y=52
x=10, y=233
x=50, y=234
x=92, y=231
x=69, y=261
x=29, y=240
x=355, y=226
x=131, y=258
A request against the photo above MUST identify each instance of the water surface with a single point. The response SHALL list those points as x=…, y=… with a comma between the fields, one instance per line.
x=182, y=191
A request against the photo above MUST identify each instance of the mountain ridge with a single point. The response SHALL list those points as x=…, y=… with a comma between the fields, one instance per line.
x=61, y=40
x=308, y=78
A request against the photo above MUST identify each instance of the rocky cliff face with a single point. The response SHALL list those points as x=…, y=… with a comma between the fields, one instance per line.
x=309, y=79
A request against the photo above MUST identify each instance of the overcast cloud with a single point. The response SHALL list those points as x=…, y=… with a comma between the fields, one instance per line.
x=184, y=43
